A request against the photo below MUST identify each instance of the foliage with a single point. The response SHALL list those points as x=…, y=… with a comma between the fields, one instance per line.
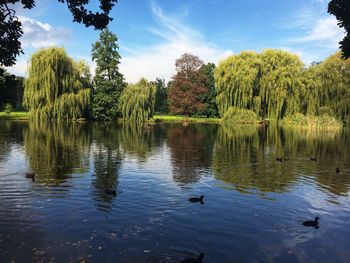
x=341, y=10
x=236, y=115
x=210, y=108
x=275, y=84
x=181, y=119
x=189, y=84
x=161, y=105
x=14, y=116
x=237, y=80
x=313, y=122
x=8, y=108
x=269, y=83
x=137, y=101
x=109, y=82
x=11, y=89
x=334, y=88
x=281, y=87
x=11, y=27
x=55, y=87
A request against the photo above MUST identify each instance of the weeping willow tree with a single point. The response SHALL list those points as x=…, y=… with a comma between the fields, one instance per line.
x=270, y=83
x=137, y=101
x=334, y=88
x=56, y=87
x=237, y=82
x=281, y=85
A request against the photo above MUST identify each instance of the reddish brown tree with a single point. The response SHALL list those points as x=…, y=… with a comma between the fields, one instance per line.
x=188, y=87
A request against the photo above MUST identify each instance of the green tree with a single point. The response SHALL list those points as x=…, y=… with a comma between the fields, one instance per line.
x=11, y=89
x=109, y=82
x=210, y=108
x=137, y=101
x=11, y=27
x=281, y=87
x=161, y=96
x=188, y=87
x=341, y=10
x=55, y=87
x=270, y=83
x=334, y=90
x=237, y=79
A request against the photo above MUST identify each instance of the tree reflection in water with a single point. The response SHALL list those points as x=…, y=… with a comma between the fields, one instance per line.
x=56, y=150
x=244, y=157
x=107, y=161
x=191, y=150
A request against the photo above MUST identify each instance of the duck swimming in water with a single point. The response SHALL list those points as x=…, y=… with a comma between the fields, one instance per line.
x=31, y=176
x=311, y=223
x=279, y=159
x=337, y=170
x=196, y=199
x=313, y=159
x=111, y=192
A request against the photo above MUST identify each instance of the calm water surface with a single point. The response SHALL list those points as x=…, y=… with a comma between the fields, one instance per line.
x=253, y=211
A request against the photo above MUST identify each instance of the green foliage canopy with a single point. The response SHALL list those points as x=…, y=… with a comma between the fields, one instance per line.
x=269, y=83
x=333, y=85
x=137, y=101
x=56, y=87
x=109, y=82
x=11, y=90
x=161, y=96
x=210, y=108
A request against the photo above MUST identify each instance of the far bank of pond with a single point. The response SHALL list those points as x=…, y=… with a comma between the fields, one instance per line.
x=181, y=119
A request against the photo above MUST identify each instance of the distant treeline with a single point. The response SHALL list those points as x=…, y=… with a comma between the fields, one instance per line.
x=274, y=84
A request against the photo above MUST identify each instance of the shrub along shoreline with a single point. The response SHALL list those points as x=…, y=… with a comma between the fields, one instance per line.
x=297, y=120
x=15, y=115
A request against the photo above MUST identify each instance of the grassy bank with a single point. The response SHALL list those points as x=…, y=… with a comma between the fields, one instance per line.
x=18, y=115
x=313, y=122
x=171, y=118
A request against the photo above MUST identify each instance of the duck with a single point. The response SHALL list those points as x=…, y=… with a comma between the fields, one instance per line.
x=313, y=159
x=30, y=176
x=197, y=199
x=337, y=170
x=193, y=260
x=311, y=223
x=279, y=159
x=111, y=192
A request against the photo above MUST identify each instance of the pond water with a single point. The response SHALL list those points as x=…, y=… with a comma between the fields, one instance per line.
x=253, y=207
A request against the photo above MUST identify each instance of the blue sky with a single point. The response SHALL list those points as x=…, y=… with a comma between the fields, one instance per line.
x=153, y=33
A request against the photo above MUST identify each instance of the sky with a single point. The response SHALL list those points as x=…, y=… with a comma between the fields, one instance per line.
x=152, y=34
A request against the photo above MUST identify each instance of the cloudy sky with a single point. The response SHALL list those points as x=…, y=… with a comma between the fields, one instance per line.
x=153, y=33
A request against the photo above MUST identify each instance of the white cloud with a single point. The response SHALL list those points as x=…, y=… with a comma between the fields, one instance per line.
x=325, y=32
x=37, y=34
x=159, y=60
x=19, y=68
